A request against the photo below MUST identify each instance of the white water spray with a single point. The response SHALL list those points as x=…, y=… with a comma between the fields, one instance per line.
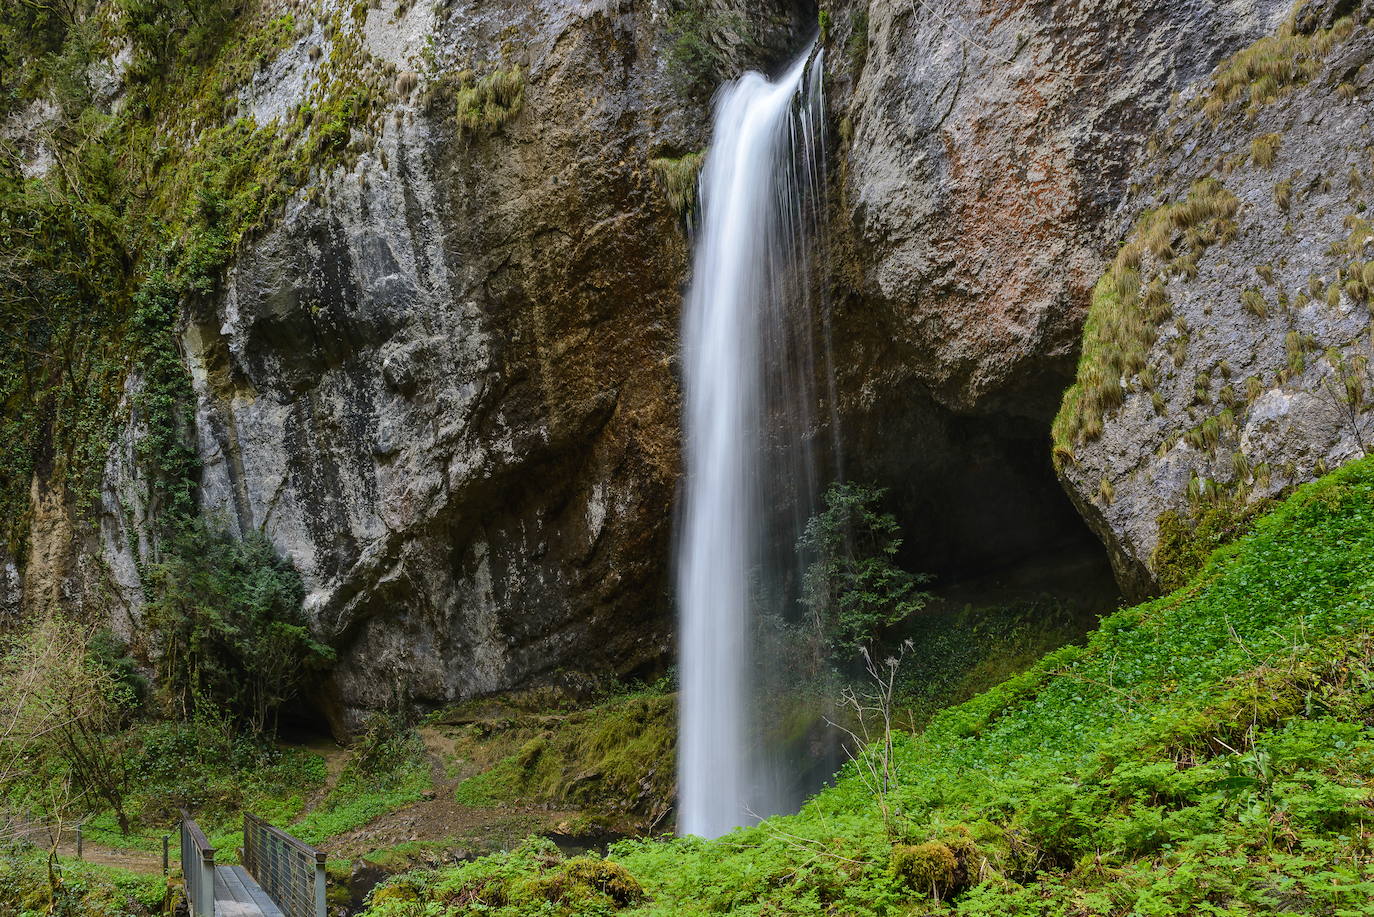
x=748, y=380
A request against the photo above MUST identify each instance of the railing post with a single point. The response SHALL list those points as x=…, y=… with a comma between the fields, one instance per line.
x=197, y=868
x=79, y=845
x=321, y=883
x=166, y=844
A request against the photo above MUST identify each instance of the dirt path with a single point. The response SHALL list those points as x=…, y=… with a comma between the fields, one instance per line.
x=142, y=861
x=439, y=819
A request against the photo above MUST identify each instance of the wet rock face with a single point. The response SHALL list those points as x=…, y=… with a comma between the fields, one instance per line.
x=1257, y=379
x=984, y=152
x=443, y=387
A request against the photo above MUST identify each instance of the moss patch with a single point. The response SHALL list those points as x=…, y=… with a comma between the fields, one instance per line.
x=1130, y=302
x=616, y=757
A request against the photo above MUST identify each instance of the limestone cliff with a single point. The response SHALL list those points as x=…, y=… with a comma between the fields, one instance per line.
x=439, y=370
x=1226, y=359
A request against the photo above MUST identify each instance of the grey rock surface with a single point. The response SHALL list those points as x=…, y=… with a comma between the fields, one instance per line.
x=1270, y=378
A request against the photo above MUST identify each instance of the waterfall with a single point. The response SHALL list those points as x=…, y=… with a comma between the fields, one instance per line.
x=748, y=341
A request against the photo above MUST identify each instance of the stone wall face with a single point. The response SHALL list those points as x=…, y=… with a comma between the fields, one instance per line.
x=443, y=381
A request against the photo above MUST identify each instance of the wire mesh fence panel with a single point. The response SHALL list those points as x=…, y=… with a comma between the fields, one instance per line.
x=289, y=870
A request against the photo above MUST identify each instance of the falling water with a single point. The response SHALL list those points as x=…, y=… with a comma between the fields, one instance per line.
x=749, y=328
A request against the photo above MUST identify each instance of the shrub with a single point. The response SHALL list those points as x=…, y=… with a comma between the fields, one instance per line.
x=232, y=634
x=696, y=34
x=852, y=586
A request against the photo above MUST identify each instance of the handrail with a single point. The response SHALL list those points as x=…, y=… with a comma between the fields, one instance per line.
x=197, y=867
x=289, y=870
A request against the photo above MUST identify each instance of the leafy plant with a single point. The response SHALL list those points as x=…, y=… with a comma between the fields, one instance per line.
x=853, y=587
x=232, y=635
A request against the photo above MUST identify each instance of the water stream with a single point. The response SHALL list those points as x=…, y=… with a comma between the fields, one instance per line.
x=749, y=332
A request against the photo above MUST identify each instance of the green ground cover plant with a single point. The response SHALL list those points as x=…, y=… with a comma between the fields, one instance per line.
x=1208, y=752
x=387, y=770
x=614, y=757
x=82, y=890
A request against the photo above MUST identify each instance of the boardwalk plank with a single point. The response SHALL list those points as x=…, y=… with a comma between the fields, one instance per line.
x=237, y=895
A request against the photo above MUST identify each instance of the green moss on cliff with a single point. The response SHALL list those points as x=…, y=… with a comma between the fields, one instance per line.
x=616, y=757
x=1187, y=540
x=1130, y=302
x=140, y=212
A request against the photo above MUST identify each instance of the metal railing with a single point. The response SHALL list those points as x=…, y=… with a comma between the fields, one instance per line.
x=290, y=871
x=198, y=868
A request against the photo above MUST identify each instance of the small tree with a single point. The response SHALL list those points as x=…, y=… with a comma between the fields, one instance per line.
x=60, y=707
x=852, y=586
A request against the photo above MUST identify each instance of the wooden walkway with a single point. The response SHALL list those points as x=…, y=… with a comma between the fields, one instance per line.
x=237, y=895
x=280, y=875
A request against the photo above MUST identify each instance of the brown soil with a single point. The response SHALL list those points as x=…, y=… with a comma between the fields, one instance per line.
x=442, y=820
x=439, y=819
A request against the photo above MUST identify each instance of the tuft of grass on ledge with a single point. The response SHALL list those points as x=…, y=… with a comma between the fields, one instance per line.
x=1130, y=302
x=678, y=178
x=485, y=104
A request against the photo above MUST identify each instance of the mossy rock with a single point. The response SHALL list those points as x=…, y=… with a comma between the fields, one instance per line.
x=930, y=867
x=584, y=880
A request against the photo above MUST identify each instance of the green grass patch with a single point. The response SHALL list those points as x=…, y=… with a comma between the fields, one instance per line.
x=967, y=650
x=1209, y=752
x=211, y=774
x=678, y=178
x=615, y=757
x=387, y=771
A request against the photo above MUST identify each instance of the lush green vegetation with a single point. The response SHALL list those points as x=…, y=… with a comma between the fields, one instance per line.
x=699, y=34
x=232, y=634
x=614, y=758
x=853, y=588
x=386, y=771
x=965, y=650
x=82, y=890
x=1188, y=539
x=1207, y=752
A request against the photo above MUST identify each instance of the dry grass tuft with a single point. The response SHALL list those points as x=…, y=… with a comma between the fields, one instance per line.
x=485, y=104
x=1272, y=67
x=1265, y=149
x=678, y=178
x=1130, y=302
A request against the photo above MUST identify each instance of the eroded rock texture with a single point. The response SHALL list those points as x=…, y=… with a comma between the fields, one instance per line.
x=1256, y=379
